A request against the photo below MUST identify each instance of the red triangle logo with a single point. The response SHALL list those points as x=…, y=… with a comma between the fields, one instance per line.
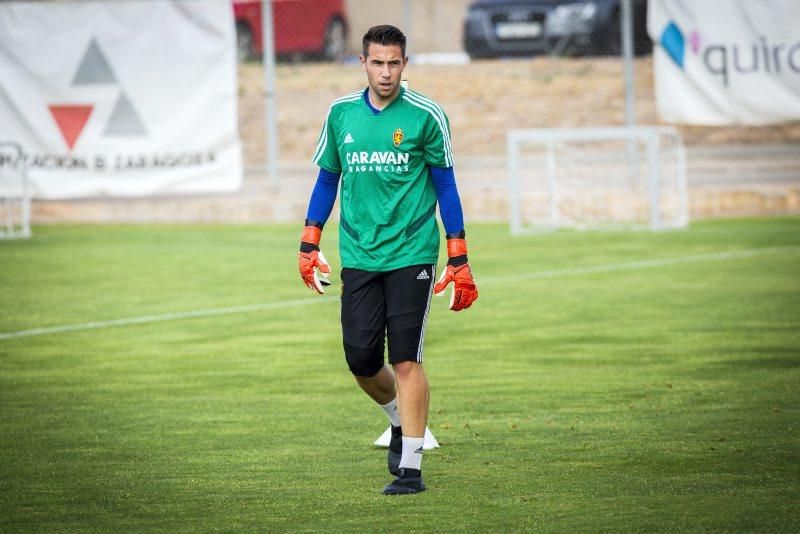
x=70, y=120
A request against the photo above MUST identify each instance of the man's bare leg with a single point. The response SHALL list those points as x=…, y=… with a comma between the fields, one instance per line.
x=413, y=396
x=380, y=386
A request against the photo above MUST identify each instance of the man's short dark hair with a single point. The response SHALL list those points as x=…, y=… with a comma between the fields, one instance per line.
x=384, y=35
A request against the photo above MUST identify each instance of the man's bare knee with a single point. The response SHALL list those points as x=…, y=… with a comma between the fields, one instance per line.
x=404, y=369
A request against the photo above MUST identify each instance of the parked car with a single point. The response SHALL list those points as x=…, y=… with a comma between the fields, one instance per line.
x=495, y=28
x=307, y=28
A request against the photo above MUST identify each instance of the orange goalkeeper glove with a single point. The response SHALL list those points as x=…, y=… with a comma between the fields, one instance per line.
x=312, y=259
x=465, y=292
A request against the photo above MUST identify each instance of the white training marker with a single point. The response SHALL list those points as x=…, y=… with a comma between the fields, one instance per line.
x=429, y=443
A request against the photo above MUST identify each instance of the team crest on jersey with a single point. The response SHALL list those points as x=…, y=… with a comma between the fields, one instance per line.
x=397, y=137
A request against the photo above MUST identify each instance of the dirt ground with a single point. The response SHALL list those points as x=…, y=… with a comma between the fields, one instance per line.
x=483, y=100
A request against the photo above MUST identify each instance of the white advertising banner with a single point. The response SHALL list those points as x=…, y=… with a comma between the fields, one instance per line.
x=121, y=98
x=731, y=62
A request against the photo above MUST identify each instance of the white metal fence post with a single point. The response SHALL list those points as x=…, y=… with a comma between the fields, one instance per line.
x=514, y=186
x=626, y=21
x=552, y=186
x=271, y=106
x=654, y=181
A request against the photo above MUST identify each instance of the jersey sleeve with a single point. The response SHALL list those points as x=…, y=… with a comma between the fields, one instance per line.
x=327, y=154
x=438, y=151
x=444, y=182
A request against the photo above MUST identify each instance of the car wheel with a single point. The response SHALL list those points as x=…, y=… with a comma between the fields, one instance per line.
x=335, y=40
x=477, y=50
x=244, y=43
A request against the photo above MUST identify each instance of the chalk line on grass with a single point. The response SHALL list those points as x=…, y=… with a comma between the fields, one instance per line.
x=639, y=264
x=209, y=312
x=279, y=305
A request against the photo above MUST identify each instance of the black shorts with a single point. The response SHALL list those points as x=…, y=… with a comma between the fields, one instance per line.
x=389, y=305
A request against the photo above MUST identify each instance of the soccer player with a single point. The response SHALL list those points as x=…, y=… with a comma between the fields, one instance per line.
x=391, y=148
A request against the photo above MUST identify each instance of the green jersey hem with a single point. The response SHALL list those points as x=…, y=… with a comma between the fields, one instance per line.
x=393, y=266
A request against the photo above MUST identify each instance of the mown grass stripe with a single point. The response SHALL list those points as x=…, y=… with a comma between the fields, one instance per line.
x=209, y=312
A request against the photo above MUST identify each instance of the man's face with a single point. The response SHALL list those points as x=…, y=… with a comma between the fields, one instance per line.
x=384, y=66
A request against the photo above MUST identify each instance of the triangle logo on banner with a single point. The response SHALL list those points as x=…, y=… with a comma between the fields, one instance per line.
x=94, y=69
x=124, y=119
x=71, y=118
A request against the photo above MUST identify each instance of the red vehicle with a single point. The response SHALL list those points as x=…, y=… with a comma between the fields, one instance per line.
x=312, y=28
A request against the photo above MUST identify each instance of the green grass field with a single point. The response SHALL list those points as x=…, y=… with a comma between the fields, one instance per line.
x=603, y=381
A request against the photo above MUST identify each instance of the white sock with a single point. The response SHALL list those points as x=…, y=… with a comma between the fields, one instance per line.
x=412, y=453
x=391, y=412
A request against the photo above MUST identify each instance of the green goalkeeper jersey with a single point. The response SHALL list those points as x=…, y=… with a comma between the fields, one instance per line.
x=388, y=203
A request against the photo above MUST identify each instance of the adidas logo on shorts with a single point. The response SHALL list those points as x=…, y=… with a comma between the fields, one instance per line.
x=423, y=275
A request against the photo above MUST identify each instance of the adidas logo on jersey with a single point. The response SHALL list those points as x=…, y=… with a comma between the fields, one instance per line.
x=423, y=275
x=348, y=139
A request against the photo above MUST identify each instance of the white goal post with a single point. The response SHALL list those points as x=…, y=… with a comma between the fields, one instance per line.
x=15, y=200
x=594, y=178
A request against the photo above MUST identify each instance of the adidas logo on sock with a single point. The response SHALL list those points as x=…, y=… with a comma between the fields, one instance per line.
x=423, y=275
x=348, y=139
x=418, y=451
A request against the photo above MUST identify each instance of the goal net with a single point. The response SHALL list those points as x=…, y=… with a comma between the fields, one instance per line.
x=594, y=178
x=15, y=202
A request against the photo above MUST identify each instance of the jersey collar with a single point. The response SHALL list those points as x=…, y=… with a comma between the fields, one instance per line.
x=371, y=110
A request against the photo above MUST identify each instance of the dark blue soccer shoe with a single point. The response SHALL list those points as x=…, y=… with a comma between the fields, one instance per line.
x=407, y=481
x=395, y=449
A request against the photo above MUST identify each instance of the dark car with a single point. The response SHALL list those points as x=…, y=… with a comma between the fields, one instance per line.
x=495, y=28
